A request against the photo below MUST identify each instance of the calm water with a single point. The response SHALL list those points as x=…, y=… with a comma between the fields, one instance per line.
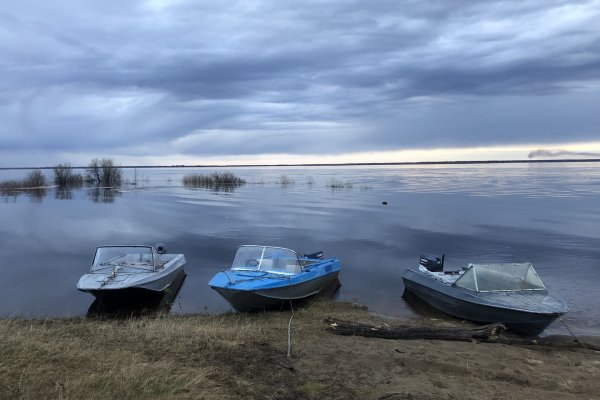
x=546, y=214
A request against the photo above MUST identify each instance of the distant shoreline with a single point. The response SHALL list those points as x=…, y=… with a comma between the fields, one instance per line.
x=562, y=160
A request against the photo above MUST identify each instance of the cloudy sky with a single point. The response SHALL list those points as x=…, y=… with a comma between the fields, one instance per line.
x=176, y=81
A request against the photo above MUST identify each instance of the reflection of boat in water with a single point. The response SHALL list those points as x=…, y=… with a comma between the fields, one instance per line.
x=263, y=277
x=131, y=275
x=512, y=294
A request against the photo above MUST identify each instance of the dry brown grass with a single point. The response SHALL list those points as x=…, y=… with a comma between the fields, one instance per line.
x=238, y=356
x=227, y=356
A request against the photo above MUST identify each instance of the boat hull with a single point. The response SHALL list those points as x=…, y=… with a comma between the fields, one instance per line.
x=135, y=300
x=487, y=308
x=244, y=300
x=133, y=289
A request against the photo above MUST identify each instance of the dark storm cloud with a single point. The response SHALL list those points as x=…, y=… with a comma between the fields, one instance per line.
x=251, y=77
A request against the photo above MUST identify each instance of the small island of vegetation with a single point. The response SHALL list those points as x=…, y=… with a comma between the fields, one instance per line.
x=217, y=181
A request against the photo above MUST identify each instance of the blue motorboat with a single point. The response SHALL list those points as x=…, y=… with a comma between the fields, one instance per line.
x=265, y=277
x=510, y=293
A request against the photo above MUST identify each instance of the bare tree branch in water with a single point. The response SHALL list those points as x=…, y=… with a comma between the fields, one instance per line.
x=103, y=172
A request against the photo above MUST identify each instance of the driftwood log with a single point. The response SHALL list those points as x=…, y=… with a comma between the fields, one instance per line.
x=493, y=333
x=348, y=328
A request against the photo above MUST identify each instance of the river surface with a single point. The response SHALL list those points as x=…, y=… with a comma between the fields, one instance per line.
x=548, y=214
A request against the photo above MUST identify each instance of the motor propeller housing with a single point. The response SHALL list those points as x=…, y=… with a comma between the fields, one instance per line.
x=432, y=263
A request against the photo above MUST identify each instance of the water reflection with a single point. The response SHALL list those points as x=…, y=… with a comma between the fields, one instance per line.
x=35, y=194
x=215, y=188
x=9, y=196
x=96, y=194
x=63, y=193
x=103, y=194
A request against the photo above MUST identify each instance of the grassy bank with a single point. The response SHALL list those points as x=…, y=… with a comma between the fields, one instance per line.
x=244, y=356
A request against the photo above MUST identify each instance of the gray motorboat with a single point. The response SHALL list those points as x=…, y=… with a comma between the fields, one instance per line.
x=510, y=293
x=121, y=275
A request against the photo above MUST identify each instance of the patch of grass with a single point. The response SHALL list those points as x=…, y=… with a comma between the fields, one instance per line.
x=312, y=389
x=214, y=357
x=216, y=180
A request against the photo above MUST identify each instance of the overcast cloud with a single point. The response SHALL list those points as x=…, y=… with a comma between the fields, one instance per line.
x=201, y=79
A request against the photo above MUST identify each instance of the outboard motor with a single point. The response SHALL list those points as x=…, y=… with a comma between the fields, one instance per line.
x=318, y=255
x=432, y=263
x=161, y=248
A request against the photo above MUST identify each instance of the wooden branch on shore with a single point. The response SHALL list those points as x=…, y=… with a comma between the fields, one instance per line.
x=348, y=328
x=492, y=333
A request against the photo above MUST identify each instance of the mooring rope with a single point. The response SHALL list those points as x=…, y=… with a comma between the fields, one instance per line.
x=572, y=334
x=289, y=350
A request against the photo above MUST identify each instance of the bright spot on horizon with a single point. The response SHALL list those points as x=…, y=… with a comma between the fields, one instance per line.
x=500, y=153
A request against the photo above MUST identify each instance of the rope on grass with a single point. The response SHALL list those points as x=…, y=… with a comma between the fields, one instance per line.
x=289, y=349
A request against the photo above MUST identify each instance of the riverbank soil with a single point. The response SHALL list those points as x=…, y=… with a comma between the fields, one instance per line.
x=237, y=356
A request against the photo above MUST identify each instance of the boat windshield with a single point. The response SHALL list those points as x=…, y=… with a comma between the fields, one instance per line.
x=270, y=259
x=500, y=277
x=138, y=258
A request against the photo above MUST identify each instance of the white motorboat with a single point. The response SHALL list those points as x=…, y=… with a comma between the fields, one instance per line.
x=121, y=275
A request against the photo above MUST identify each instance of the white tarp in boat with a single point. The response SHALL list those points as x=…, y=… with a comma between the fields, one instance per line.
x=500, y=277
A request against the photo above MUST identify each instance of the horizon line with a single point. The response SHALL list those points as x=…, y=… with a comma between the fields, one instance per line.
x=560, y=160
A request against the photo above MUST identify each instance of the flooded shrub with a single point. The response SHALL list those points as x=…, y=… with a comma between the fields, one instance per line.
x=65, y=177
x=11, y=184
x=216, y=180
x=338, y=184
x=103, y=172
x=285, y=180
x=33, y=185
x=35, y=179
